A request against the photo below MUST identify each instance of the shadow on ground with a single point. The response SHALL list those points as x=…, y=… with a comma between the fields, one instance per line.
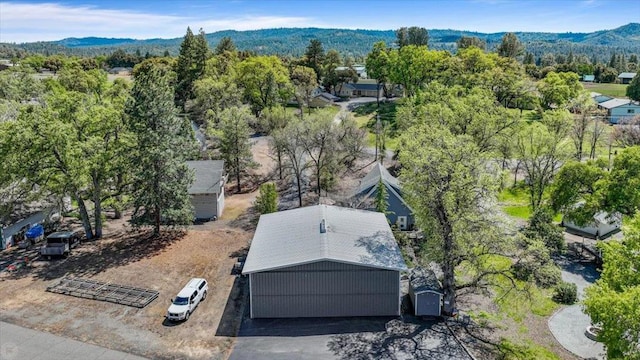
x=411, y=338
x=233, y=311
x=93, y=257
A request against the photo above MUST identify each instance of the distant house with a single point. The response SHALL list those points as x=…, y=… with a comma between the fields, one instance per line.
x=399, y=212
x=323, y=261
x=603, y=225
x=361, y=70
x=620, y=110
x=5, y=64
x=207, y=190
x=626, y=77
x=599, y=98
x=588, y=78
x=121, y=71
x=321, y=98
x=365, y=88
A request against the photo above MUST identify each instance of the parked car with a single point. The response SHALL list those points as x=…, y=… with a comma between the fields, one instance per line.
x=60, y=243
x=188, y=299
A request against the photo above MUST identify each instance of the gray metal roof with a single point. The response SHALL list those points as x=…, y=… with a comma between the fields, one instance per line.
x=627, y=75
x=208, y=174
x=614, y=103
x=377, y=173
x=294, y=237
x=424, y=280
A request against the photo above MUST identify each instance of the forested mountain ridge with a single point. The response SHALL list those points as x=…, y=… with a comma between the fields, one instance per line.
x=356, y=43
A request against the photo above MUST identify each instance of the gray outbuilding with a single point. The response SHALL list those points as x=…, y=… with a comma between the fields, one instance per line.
x=324, y=261
x=425, y=293
x=207, y=190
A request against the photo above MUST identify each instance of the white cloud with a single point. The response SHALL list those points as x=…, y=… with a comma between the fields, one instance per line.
x=22, y=22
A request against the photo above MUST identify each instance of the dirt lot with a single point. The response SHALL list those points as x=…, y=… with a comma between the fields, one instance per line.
x=126, y=256
x=133, y=258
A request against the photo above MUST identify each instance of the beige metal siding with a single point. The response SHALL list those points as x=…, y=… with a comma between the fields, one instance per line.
x=325, y=289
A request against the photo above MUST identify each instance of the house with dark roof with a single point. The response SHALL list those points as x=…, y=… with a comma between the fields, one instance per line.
x=207, y=190
x=620, y=110
x=626, y=77
x=324, y=261
x=599, y=98
x=398, y=211
x=364, y=87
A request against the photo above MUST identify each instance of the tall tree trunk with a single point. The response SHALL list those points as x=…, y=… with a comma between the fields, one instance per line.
x=299, y=181
x=237, y=161
x=448, y=266
x=157, y=207
x=97, y=209
x=84, y=216
x=116, y=209
x=318, y=178
x=279, y=153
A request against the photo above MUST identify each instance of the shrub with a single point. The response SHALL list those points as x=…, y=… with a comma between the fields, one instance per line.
x=267, y=200
x=566, y=293
x=541, y=227
x=548, y=276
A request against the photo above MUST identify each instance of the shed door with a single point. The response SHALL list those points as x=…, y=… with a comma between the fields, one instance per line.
x=428, y=304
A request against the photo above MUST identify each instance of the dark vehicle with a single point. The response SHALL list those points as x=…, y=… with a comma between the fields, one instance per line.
x=60, y=243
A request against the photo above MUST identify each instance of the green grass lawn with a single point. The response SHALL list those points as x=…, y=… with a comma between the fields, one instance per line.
x=365, y=116
x=295, y=110
x=515, y=203
x=615, y=90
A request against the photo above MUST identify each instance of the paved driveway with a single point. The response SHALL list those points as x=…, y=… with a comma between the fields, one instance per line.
x=569, y=324
x=345, y=338
x=18, y=343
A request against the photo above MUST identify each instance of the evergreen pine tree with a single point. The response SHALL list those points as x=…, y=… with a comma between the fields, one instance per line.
x=234, y=142
x=267, y=200
x=190, y=67
x=164, y=142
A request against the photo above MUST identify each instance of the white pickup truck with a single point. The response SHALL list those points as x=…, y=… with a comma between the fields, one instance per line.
x=188, y=299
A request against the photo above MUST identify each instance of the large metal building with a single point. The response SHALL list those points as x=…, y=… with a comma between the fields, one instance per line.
x=324, y=261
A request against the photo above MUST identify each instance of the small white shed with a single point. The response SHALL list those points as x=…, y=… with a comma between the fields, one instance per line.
x=425, y=292
x=207, y=190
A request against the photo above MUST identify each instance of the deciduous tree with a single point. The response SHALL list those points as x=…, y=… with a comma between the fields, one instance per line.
x=447, y=184
x=542, y=148
x=265, y=82
x=234, y=142
x=614, y=301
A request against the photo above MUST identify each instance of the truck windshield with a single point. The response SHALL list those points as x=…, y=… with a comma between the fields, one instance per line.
x=181, y=301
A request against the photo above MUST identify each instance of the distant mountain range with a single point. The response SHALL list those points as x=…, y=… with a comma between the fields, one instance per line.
x=356, y=43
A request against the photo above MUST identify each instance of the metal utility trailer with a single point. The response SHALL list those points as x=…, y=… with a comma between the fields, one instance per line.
x=96, y=290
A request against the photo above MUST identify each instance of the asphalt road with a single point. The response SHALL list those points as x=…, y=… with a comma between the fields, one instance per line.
x=345, y=338
x=569, y=324
x=18, y=343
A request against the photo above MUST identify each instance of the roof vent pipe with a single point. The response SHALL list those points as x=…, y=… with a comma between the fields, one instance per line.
x=323, y=227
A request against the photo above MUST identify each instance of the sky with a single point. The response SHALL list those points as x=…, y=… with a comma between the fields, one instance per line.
x=27, y=21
